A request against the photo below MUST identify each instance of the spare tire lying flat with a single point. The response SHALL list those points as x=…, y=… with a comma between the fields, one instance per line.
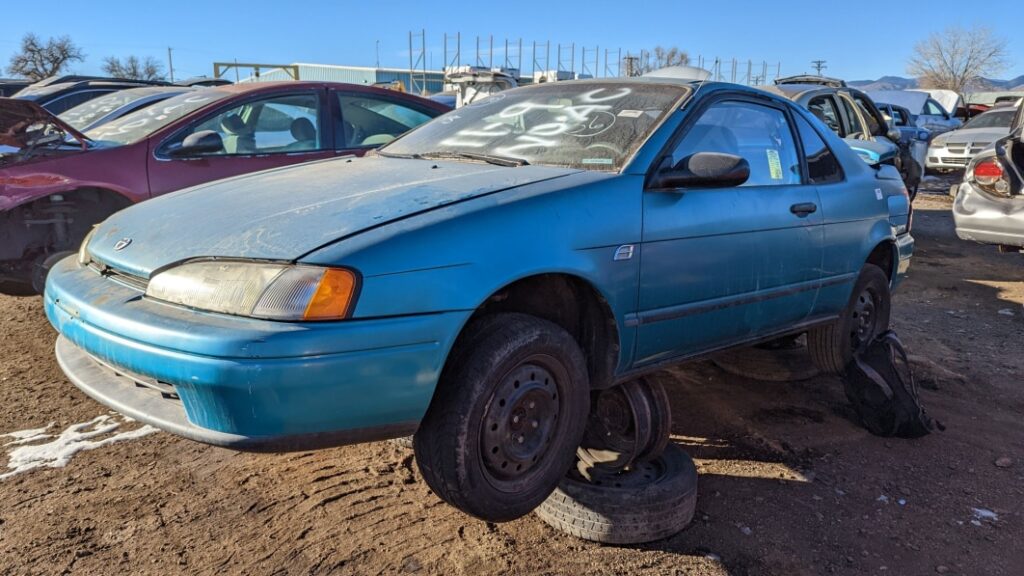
x=654, y=500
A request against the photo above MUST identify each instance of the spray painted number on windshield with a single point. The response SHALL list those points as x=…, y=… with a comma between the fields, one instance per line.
x=587, y=118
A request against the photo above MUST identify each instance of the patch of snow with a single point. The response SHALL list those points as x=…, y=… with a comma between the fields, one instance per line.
x=76, y=438
x=883, y=499
x=1006, y=312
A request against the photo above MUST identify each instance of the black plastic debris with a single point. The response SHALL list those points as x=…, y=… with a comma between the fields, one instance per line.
x=880, y=384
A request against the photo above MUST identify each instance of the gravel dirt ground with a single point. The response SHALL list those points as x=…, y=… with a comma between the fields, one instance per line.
x=790, y=484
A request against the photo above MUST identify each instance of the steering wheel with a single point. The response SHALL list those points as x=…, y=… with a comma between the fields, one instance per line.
x=606, y=146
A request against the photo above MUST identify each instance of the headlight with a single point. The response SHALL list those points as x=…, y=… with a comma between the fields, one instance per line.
x=83, y=250
x=259, y=290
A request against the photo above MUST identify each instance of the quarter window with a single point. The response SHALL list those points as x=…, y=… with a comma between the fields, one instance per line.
x=280, y=124
x=822, y=165
x=371, y=120
x=759, y=134
x=825, y=110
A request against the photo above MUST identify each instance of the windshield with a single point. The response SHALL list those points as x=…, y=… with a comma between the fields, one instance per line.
x=142, y=123
x=992, y=119
x=88, y=112
x=588, y=125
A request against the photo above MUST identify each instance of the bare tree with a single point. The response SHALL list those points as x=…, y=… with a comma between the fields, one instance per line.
x=134, y=68
x=37, y=60
x=656, y=59
x=958, y=58
x=662, y=57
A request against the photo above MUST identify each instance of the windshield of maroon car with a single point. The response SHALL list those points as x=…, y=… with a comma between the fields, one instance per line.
x=592, y=125
x=992, y=119
x=139, y=124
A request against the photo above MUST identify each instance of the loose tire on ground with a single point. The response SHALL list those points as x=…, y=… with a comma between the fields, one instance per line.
x=655, y=502
x=506, y=419
x=866, y=316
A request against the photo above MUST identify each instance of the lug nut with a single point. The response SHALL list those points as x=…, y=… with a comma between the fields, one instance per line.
x=521, y=439
x=535, y=424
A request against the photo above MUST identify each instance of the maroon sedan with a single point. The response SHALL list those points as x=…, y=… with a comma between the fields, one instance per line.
x=55, y=183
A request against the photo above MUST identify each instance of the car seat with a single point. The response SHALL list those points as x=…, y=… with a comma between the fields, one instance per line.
x=304, y=133
x=239, y=138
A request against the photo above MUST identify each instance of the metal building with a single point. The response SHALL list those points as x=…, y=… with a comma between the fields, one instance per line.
x=356, y=75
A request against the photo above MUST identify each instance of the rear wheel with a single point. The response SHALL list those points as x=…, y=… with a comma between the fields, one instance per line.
x=865, y=317
x=507, y=417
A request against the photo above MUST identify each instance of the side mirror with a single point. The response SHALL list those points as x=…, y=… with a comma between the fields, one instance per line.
x=894, y=135
x=197, y=143
x=705, y=170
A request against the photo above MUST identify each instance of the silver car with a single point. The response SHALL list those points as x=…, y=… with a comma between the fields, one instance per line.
x=953, y=150
x=989, y=205
x=926, y=111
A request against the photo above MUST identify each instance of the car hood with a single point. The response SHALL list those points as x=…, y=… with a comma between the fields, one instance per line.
x=285, y=213
x=912, y=101
x=968, y=135
x=17, y=116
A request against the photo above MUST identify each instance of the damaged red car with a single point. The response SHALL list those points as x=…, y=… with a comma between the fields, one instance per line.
x=56, y=183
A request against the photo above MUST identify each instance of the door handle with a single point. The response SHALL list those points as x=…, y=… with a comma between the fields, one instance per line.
x=803, y=209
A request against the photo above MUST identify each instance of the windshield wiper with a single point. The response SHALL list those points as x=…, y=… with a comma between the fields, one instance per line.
x=507, y=161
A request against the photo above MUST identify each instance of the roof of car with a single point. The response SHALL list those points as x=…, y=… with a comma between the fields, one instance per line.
x=793, y=91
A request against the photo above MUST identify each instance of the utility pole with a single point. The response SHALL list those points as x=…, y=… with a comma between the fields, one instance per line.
x=819, y=65
x=378, y=54
x=170, y=63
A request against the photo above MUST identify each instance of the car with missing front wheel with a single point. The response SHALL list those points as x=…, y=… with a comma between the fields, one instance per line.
x=497, y=281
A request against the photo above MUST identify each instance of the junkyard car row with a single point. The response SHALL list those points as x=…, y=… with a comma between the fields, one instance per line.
x=341, y=264
x=58, y=181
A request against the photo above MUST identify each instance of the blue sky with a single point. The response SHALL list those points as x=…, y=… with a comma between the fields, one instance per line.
x=857, y=44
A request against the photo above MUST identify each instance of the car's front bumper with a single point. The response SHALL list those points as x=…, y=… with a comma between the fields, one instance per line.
x=988, y=219
x=946, y=158
x=243, y=383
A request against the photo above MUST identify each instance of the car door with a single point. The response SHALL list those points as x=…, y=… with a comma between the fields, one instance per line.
x=366, y=120
x=261, y=132
x=724, y=265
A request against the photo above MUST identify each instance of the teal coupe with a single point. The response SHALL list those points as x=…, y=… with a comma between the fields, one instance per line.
x=477, y=279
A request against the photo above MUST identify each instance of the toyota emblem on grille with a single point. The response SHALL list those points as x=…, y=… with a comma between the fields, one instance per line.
x=122, y=244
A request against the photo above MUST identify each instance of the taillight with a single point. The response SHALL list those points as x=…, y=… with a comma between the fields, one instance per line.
x=989, y=175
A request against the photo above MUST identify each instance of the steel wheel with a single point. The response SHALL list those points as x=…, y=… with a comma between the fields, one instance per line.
x=520, y=418
x=864, y=318
x=629, y=423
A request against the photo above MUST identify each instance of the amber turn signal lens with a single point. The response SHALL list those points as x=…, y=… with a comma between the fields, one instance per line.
x=333, y=296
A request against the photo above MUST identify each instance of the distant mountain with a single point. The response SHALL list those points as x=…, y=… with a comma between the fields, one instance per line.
x=1013, y=84
x=885, y=83
x=900, y=83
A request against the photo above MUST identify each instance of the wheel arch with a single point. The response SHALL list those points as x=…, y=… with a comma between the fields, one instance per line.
x=568, y=300
x=885, y=256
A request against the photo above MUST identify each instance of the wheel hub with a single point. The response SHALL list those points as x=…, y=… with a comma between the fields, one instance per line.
x=519, y=421
x=628, y=423
x=864, y=319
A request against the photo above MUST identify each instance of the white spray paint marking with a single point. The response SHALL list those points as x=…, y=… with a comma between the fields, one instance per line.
x=58, y=452
x=27, y=436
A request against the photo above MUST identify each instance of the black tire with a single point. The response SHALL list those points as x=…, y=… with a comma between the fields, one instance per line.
x=643, y=510
x=42, y=269
x=832, y=345
x=508, y=414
